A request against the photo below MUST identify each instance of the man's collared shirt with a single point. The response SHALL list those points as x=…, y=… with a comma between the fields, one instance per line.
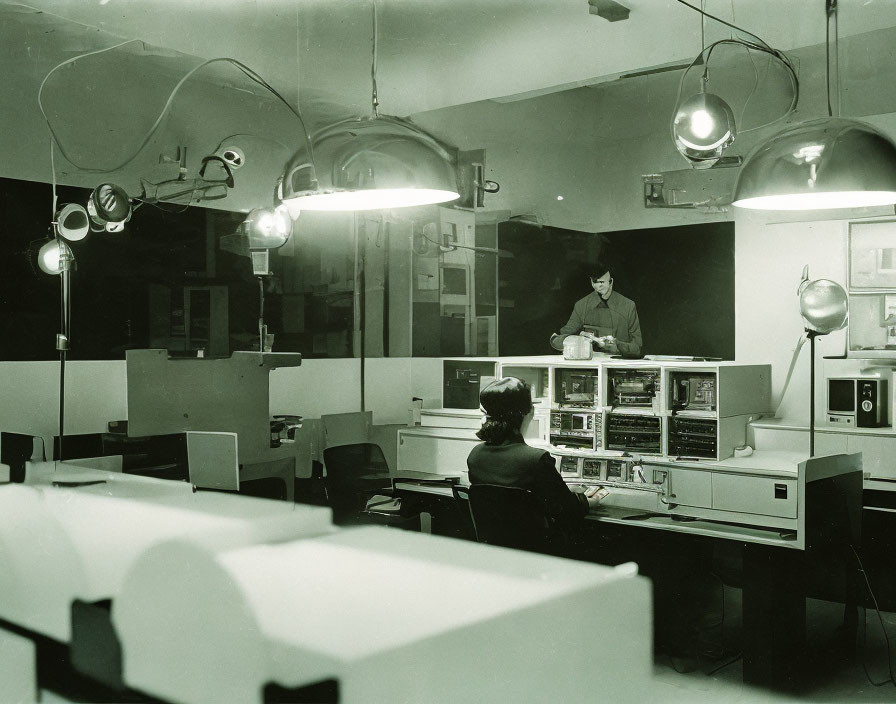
x=616, y=316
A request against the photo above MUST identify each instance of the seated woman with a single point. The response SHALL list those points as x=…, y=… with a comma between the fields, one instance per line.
x=505, y=459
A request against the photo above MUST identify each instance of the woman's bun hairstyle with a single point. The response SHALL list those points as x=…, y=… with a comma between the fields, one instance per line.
x=506, y=401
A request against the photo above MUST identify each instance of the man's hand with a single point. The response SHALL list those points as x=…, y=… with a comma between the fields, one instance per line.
x=590, y=336
x=608, y=344
x=595, y=494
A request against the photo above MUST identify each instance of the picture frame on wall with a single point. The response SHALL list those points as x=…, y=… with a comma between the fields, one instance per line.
x=871, y=260
x=872, y=255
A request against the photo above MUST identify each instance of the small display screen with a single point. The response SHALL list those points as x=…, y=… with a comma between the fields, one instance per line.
x=569, y=465
x=591, y=467
x=841, y=396
x=614, y=469
x=577, y=387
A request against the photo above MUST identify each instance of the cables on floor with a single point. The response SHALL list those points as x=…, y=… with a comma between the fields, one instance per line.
x=891, y=679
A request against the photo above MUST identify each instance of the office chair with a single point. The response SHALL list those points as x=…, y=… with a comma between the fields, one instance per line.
x=512, y=517
x=354, y=473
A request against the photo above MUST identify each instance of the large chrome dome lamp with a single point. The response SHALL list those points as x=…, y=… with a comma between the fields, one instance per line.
x=369, y=163
x=821, y=164
x=827, y=163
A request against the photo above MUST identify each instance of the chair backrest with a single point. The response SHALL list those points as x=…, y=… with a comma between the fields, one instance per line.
x=346, y=428
x=212, y=459
x=510, y=517
x=352, y=471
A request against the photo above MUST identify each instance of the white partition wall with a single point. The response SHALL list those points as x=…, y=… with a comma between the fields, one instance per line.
x=96, y=392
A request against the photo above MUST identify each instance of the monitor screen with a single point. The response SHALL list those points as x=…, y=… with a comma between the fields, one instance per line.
x=577, y=387
x=462, y=381
x=841, y=395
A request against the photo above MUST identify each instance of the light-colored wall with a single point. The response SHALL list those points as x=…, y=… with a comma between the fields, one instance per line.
x=96, y=392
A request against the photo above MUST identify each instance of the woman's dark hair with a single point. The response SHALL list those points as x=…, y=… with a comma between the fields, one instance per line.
x=506, y=402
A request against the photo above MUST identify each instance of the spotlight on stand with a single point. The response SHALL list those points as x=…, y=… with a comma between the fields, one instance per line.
x=266, y=229
x=703, y=127
x=109, y=208
x=263, y=229
x=71, y=222
x=54, y=257
x=824, y=307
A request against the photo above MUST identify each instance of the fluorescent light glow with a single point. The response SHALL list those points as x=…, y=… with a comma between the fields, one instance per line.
x=373, y=199
x=818, y=201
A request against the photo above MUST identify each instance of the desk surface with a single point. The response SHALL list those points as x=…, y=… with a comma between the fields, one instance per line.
x=634, y=517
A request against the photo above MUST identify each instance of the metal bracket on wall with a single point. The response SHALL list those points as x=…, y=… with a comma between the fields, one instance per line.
x=691, y=188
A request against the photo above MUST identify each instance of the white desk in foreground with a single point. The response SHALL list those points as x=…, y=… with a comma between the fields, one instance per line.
x=218, y=597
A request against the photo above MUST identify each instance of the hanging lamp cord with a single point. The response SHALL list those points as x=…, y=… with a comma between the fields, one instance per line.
x=830, y=10
x=373, y=97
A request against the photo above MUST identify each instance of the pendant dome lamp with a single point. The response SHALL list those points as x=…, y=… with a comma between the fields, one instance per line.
x=827, y=163
x=369, y=163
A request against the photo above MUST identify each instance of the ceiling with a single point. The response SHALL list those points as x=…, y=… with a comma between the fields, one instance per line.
x=431, y=54
x=436, y=53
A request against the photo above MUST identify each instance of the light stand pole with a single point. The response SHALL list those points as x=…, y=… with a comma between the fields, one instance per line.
x=811, y=334
x=62, y=339
x=262, y=328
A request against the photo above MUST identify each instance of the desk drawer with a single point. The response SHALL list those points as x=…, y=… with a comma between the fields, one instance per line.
x=765, y=496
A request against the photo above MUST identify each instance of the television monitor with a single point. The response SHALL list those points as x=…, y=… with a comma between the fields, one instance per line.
x=577, y=387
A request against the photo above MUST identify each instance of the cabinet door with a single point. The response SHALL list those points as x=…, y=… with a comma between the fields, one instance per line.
x=830, y=444
x=765, y=496
x=877, y=454
x=690, y=487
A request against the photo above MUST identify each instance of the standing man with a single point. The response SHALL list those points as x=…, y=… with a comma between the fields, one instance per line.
x=606, y=316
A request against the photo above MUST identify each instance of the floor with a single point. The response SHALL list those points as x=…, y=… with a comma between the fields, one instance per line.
x=717, y=677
